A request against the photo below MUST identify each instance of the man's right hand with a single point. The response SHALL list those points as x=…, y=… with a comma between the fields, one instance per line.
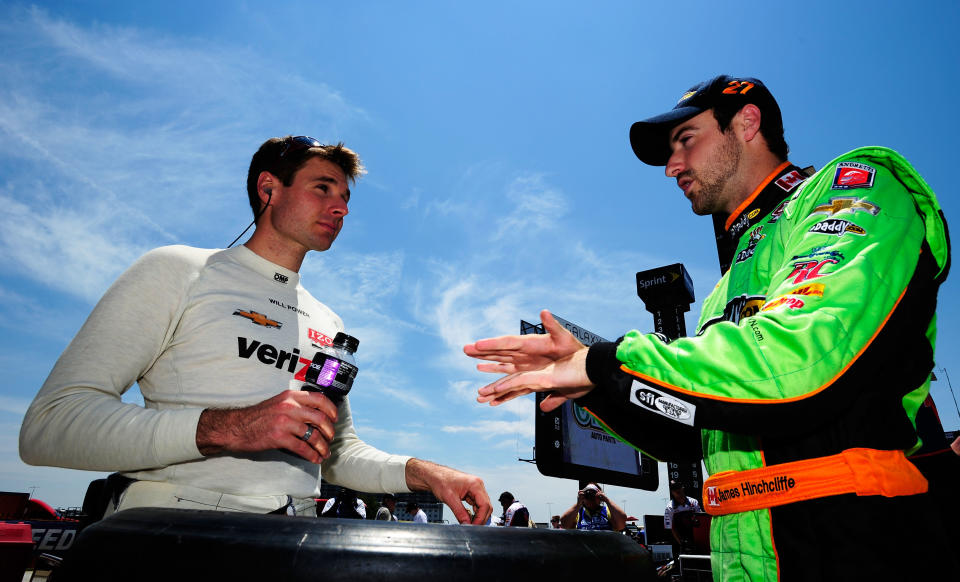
x=554, y=362
x=277, y=423
x=521, y=353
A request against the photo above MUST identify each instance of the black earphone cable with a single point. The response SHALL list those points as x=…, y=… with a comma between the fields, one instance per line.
x=255, y=218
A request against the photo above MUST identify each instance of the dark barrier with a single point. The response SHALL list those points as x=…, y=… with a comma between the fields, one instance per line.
x=176, y=544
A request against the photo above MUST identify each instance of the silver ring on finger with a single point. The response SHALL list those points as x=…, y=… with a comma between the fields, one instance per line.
x=306, y=436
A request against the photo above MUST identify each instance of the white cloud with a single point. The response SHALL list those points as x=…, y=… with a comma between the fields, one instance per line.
x=160, y=140
x=488, y=429
x=65, y=249
x=536, y=207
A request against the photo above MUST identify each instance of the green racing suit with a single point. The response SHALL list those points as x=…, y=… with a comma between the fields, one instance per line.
x=817, y=340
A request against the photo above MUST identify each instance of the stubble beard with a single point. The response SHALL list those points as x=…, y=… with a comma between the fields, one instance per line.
x=714, y=179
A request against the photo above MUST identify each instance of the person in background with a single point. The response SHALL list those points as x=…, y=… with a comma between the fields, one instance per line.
x=417, y=515
x=676, y=516
x=345, y=505
x=387, y=506
x=594, y=511
x=514, y=513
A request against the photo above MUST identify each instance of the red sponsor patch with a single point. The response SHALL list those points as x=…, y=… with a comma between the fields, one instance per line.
x=318, y=338
x=789, y=302
x=853, y=175
x=806, y=270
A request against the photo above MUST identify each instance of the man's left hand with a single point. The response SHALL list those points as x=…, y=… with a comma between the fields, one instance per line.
x=452, y=487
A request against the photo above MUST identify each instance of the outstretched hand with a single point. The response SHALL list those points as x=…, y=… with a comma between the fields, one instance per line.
x=554, y=362
x=520, y=353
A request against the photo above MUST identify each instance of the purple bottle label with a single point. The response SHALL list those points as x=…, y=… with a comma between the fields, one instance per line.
x=328, y=372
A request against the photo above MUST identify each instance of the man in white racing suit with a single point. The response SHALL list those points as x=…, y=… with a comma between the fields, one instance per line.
x=219, y=342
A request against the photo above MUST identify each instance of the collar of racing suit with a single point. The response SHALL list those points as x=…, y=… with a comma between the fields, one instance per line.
x=769, y=196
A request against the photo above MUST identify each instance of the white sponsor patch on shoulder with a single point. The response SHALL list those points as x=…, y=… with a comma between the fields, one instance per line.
x=652, y=399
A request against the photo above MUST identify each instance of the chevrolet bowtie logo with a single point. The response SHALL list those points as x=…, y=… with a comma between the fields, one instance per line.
x=258, y=318
x=850, y=204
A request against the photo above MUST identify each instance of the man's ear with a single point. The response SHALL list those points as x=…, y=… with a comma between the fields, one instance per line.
x=747, y=121
x=266, y=184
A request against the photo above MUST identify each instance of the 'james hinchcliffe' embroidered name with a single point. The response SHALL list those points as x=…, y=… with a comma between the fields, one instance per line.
x=781, y=483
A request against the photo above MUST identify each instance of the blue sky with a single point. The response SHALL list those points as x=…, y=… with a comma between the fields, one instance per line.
x=500, y=175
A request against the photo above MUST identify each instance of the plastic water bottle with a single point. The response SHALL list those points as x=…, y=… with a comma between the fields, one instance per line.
x=333, y=368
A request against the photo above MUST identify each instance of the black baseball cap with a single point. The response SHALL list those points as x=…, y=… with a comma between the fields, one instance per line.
x=650, y=138
x=506, y=496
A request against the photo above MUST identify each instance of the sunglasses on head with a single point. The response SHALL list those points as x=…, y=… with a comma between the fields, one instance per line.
x=298, y=143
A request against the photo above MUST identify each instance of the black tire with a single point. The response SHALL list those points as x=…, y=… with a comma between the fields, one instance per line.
x=176, y=544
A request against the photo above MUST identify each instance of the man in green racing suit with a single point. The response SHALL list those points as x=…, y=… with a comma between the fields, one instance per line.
x=811, y=357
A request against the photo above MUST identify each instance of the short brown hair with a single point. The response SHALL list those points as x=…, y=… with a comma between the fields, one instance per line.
x=270, y=158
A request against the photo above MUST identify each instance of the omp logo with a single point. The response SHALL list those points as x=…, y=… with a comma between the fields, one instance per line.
x=259, y=318
x=850, y=204
x=753, y=213
x=662, y=404
x=271, y=356
x=805, y=270
x=280, y=278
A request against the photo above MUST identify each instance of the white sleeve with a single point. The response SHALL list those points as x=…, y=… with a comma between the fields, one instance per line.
x=356, y=465
x=77, y=419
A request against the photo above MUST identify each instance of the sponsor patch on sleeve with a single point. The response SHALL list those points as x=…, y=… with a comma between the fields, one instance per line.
x=783, y=301
x=850, y=204
x=837, y=227
x=652, y=399
x=814, y=289
x=790, y=180
x=853, y=175
x=777, y=212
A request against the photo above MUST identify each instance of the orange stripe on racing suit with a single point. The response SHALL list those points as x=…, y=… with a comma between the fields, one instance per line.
x=861, y=471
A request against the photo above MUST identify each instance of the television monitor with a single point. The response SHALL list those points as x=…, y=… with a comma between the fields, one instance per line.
x=571, y=444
